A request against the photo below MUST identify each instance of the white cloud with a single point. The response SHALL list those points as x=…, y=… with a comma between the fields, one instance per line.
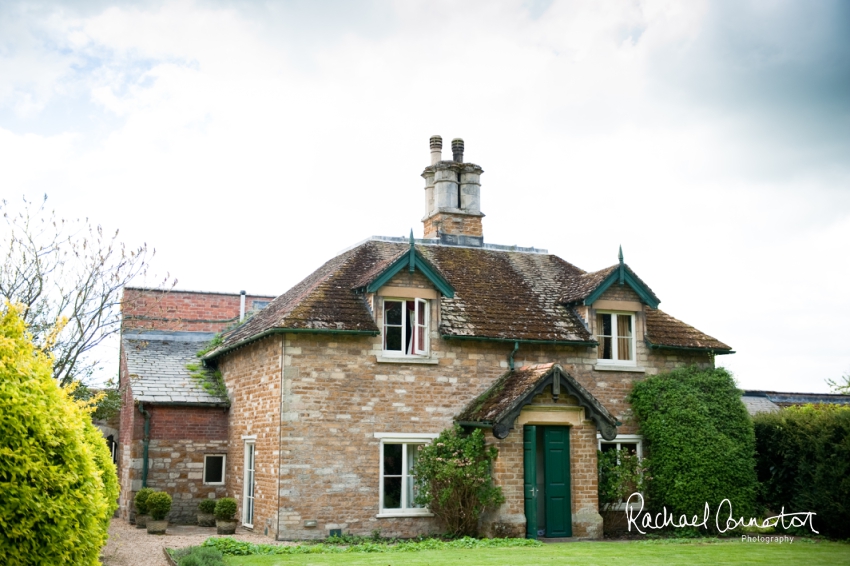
x=249, y=146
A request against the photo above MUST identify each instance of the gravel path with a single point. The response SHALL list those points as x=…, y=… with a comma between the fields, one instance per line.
x=129, y=546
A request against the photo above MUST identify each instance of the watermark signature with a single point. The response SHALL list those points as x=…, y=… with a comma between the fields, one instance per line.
x=767, y=540
x=722, y=521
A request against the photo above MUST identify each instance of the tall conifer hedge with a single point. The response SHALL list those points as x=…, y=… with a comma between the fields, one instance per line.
x=700, y=442
x=803, y=462
x=58, y=486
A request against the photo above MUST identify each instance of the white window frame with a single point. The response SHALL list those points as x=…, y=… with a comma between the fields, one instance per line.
x=615, y=339
x=248, y=489
x=622, y=439
x=223, y=468
x=405, y=439
x=416, y=323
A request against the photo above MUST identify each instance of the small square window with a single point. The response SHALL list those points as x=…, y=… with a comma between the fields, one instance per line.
x=214, y=469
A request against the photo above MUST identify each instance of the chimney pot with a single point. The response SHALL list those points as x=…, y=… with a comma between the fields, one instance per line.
x=436, y=149
x=457, y=150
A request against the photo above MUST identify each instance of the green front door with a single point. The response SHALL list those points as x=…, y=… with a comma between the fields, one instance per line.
x=556, y=442
x=546, y=479
x=529, y=465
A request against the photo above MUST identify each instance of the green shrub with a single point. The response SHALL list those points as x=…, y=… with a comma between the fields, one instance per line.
x=803, y=464
x=54, y=505
x=141, y=500
x=700, y=442
x=159, y=505
x=106, y=468
x=198, y=556
x=453, y=479
x=225, y=509
x=621, y=474
x=207, y=506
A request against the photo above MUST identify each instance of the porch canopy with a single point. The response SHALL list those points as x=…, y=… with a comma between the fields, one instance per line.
x=501, y=404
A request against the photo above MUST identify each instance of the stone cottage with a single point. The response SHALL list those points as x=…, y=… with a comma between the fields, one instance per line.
x=335, y=385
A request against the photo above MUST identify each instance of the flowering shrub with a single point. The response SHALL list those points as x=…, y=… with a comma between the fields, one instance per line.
x=621, y=474
x=453, y=479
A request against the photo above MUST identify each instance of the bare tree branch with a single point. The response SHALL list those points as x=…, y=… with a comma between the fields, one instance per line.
x=68, y=270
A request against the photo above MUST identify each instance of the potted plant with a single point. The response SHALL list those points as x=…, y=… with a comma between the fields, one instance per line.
x=141, y=504
x=159, y=504
x=206, y=513
x=225, y=510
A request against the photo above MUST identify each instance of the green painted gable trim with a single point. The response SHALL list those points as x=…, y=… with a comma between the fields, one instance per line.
x=623, y=276
x=412, y=260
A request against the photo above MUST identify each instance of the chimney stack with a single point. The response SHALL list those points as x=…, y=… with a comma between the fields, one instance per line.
x=452, y=197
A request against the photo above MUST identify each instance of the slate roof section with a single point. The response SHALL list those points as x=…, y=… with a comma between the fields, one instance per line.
x=756, y=404
x=501, y=404
x=664, y=331
x=499, y=295
x=786, y=399
x=156, y=364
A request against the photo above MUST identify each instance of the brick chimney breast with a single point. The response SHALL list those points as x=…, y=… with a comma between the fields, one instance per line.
x=452, y=197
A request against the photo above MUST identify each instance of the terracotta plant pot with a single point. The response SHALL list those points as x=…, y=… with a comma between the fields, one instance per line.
x=206, y=520
x=225, y=527
x=157, y=527
x=142, y=521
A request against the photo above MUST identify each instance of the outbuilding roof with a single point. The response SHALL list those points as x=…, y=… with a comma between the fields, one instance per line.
x=156, y=364
x=493, y=294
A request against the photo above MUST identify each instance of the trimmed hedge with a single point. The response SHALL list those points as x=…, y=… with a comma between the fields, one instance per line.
x=58, y=488
x=803, y=464
x=700, y=442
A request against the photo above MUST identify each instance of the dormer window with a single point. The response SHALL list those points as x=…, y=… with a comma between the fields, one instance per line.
x=616, y=336
x=406, y=324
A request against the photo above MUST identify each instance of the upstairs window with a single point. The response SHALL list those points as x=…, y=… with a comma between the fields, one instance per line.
x=406, y=324
x=616, y=336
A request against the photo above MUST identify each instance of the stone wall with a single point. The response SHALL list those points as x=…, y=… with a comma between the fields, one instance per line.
x=253, y=379
x=180, y=437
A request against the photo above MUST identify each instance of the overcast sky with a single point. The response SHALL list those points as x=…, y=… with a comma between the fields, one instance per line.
x=250, y=142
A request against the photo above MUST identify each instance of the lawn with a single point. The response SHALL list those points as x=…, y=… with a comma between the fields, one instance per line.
x=666, y=553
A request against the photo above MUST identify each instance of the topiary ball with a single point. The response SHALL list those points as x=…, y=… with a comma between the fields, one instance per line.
x=225, y=509
x=207, y=506
x=159, y=504
x=141, y=500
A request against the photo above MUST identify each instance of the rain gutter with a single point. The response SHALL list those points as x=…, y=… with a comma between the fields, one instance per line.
x=145, y=443
x=216, y=353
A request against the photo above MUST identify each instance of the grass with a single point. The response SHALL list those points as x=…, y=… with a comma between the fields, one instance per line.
x=662, y=552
